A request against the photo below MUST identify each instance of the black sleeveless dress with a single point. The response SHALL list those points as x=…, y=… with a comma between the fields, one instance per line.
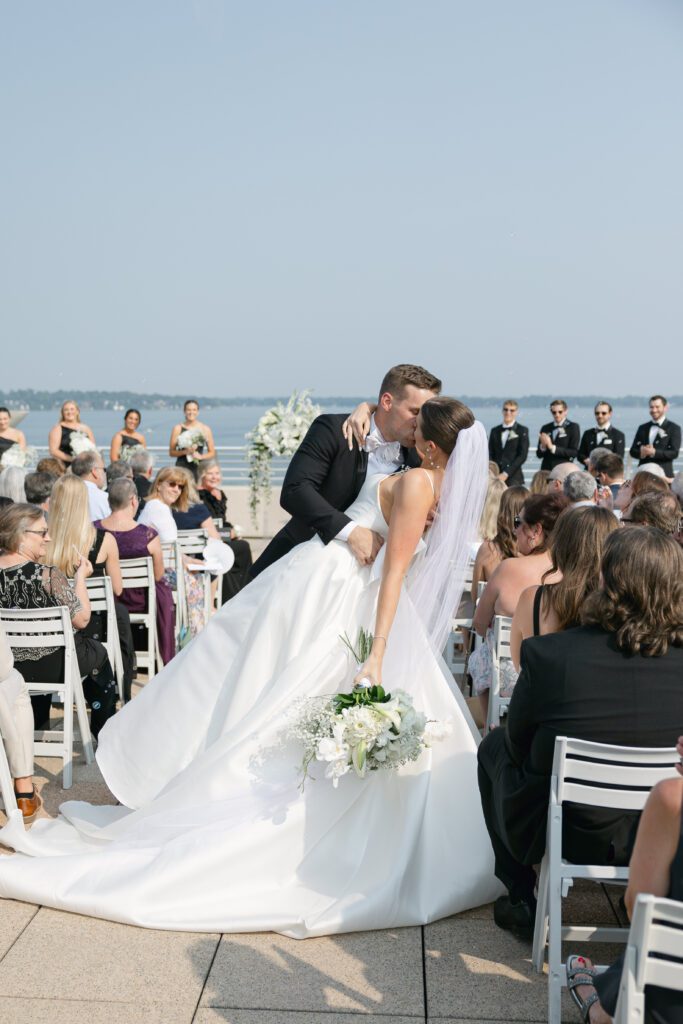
x=65, y=443
x=128, y=442
x=5, y=445
x=182, y=461
x=662, y=1005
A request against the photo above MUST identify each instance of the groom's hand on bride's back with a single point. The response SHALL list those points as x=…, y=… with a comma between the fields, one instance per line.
x=365, y=544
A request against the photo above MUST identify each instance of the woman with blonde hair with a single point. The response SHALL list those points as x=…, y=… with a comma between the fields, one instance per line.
x=172, y=490
x=72, y=538
x=489, y=516
x=62, y=434
x=539, y=482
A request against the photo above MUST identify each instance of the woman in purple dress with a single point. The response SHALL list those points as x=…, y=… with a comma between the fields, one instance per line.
x=138, y=541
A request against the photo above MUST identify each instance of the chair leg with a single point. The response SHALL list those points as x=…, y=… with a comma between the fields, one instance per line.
x=541, y=925
x=6, y=783
x=68, y=735
x=554, y=948
x=83, y=723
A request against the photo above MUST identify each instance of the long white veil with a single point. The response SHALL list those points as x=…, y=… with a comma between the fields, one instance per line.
x=439, y=580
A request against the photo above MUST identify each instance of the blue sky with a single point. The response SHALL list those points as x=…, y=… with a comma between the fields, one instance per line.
x=256, y=197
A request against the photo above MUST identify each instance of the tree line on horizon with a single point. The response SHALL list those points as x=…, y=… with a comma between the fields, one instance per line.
x=35, y=399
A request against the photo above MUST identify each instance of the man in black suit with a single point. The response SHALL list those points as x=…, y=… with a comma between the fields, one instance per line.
x=604, y=435
x=325, y=476
x=558, y=441
x=509, y=445
x=581, y=683
x=659, y=440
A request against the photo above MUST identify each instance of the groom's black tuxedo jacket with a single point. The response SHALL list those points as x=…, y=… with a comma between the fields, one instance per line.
x=666, y=448
x=322, y=479
x=511, y=457
x=566, y=444
x=614, y=441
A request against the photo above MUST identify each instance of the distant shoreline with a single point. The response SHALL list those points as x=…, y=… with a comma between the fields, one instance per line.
x=121, y=400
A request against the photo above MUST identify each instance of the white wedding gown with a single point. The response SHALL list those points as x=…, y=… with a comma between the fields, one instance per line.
x=215, y=834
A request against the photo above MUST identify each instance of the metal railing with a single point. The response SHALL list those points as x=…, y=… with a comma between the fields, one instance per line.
x=235, y=469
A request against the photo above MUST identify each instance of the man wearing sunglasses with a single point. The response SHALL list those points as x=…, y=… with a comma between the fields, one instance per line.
x=509, y=445
x=604, y=435
x=558, y=440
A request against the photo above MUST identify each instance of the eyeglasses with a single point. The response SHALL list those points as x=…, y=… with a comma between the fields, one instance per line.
x=518, y=521
x=509, y=408
x=41, y=533
x=178, y=486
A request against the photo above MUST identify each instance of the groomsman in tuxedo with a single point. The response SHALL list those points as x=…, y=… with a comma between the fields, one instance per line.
x=558, y=441
x=604, y=435
x=325, y=475
x=659, y=440
x=509, y=445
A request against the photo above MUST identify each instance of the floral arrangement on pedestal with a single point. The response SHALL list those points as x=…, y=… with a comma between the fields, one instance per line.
x=280, y=431
x=25, y=458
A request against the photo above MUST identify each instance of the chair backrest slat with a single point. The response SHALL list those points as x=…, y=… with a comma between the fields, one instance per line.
x=600, y=775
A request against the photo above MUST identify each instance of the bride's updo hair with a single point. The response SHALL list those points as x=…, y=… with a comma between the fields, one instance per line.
x=442, y=420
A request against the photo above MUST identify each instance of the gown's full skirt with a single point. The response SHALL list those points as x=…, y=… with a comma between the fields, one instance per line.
x=214, y=832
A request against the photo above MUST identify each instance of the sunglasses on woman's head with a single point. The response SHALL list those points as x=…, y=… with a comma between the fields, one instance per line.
x=518, y=521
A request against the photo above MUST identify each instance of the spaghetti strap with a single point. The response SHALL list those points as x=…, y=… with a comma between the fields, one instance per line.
x=429, y=477
x=537, y=611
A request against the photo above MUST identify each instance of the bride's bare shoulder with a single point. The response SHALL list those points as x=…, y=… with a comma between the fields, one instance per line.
x=415, y=483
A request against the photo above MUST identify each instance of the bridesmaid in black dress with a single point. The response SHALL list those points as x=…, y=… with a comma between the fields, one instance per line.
x=9, y=436
x=190, y=458
x=60, y=436
x=129, y=436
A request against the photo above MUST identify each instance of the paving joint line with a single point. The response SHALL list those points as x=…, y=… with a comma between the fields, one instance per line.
x=424, y=973
x=213, y=960
x=12, y=944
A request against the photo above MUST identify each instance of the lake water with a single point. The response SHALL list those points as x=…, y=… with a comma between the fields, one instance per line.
x=231, y=423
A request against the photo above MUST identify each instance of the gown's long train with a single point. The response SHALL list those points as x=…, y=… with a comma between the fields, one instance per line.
x=215, y=834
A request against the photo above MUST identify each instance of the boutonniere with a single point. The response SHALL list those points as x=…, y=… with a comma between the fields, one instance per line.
x=562, y=432
x=662, y=433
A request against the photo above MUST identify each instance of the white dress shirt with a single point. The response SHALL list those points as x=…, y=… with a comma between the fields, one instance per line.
x=506, y=432
x=383, y=457
x=602, y=431
x=97, y=501
x=655, y=426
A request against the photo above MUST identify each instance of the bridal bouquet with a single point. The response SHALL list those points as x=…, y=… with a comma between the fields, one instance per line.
x=190, y=439
x=280, y=431
x=80, y=443
x=365, y=730
x=25, y=458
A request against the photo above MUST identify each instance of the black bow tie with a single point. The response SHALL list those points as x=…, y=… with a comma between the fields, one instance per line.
x=653, y=424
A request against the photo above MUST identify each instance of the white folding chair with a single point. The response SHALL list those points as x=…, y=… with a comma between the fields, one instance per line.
x=594, y=775
x=653, y=955
x=173, y=561
x=501, y=652
x=9, y=800
x=38, y=628
x=193, y=542
x=139, y=573
x=101, y=595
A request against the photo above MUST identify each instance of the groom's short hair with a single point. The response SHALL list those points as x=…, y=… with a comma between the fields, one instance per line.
x=397, y=379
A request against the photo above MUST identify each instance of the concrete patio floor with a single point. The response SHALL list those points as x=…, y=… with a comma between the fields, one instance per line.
x=59, y=968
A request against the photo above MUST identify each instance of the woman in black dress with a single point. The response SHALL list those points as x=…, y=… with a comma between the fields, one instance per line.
x=25, y=582
x=129, y=437
x=61, y=434
x=202, y=450
x=9, y=436
x=213, y=496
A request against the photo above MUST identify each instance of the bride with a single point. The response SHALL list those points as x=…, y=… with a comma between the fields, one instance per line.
x=214, y=832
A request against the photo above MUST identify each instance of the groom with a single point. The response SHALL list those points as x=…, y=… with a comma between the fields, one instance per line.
x=325, y=476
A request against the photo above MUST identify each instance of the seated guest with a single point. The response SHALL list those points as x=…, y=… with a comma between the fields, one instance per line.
x=190, y=513
x=49, y=465
x=615, y=679
x=12, y=483
x=170, y=486
x=654, y=509
x=595, y=457
x=16, y=729
x=213, y=496
x=656, y=869
x=25, y=582
x=489, y=515
x=90, y=468
x=677, y=486
x=533, y=528
x=63, y=432
x=38, y=487
x=128, y=437
x=504, y=543
x=580, y=488
x=142, y=464
x=117, y=471
x=557, y=476
x=137, y=541
x=539, y=482
x=576, y=552
x=72, y=537
x=609, y=472
x=642, y=483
